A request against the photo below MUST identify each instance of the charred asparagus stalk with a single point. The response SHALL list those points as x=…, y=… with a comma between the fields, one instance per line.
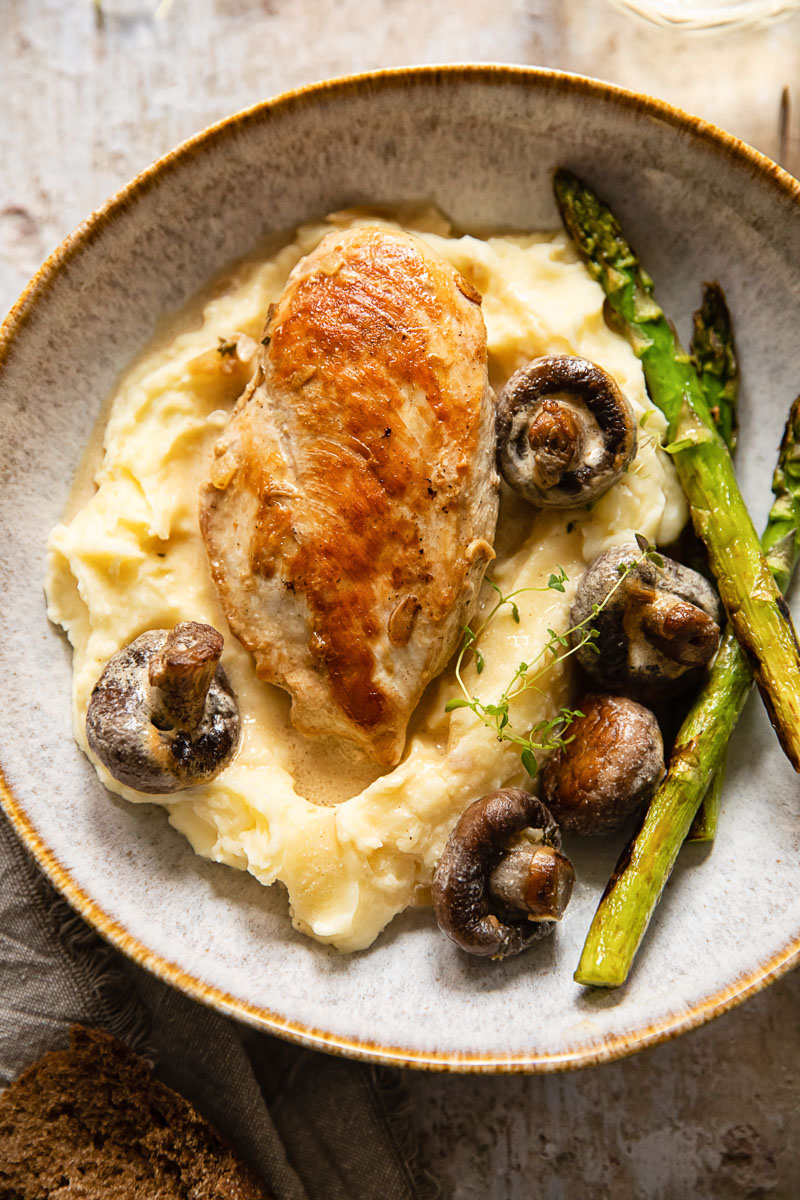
x=713, y=352
x=635, y=887
x=754, y=604
x=704, y=825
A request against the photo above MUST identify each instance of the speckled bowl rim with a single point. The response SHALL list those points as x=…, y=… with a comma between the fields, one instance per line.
x=13, y=328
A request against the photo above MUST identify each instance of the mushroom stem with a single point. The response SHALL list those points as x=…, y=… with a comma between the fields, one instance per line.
x=180, y=674
x=682, y=631
x=533, y=878
x=556, y=442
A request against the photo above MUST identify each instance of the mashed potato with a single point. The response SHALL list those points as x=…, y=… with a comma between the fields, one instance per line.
x=353, y=846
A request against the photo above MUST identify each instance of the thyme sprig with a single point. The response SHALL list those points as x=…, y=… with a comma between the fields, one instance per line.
x=548, y=734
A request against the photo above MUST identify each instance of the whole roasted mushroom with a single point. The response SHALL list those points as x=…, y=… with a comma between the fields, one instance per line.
x=501, y=882
x=565, y=432
x=162, y=716
x=656, y=633
x=612, y=764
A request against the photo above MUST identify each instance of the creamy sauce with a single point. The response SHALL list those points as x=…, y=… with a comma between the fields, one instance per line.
x=353, y=845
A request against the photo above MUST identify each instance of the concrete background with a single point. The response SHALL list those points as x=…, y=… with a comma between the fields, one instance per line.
x=87, y=98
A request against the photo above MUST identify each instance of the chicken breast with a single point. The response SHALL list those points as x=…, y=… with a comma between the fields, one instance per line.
x=352, y=498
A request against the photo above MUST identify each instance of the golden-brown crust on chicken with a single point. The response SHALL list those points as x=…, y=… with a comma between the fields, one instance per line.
x=352, y=498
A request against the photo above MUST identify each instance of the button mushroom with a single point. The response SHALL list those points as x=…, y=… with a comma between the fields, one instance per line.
x=162, y=716
x=612, y=764
x=656, y=633
x=565, y=432
x=501, y=882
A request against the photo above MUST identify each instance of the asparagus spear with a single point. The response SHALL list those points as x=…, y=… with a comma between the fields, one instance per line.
x=704, y=825
x=755, y=607
x=714, y=355
x=635, y=887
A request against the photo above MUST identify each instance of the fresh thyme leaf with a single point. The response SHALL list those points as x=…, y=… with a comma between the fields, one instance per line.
x=642, y=543
x=529, y=763
x=559, y=638
x=479, y=663
x=456, y=702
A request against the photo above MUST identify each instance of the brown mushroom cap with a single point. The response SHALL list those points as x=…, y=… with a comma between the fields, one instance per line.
x=565, y=432
x=531, y=894
x=658, y=631
x=612, y=765
x=162, y=716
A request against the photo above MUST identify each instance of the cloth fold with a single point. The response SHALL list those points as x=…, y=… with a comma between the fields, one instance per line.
x=315, y=1127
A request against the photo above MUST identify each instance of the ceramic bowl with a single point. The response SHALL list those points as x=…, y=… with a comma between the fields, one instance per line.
x=481, y=142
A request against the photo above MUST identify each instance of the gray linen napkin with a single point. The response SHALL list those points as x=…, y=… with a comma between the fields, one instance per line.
x=315, y=1127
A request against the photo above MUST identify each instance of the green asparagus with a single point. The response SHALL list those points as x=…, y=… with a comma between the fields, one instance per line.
x=714, y=356
x=635, y=887
x=704, y=825
x=754, y=604
x=713, y=353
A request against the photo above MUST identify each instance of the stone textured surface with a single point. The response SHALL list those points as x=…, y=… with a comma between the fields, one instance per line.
x=86, y=102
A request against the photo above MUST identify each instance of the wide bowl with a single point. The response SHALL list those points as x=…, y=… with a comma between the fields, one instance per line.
x=482, y=143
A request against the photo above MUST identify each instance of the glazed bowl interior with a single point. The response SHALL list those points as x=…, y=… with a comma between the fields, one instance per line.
x=482, y=144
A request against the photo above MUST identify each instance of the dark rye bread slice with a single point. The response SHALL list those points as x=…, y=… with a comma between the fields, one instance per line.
x=92, y=1122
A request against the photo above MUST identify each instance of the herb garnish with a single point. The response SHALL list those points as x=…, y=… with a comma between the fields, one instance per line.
x=546, y=735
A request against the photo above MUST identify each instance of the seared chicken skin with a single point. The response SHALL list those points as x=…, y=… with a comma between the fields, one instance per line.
x=352, y=498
